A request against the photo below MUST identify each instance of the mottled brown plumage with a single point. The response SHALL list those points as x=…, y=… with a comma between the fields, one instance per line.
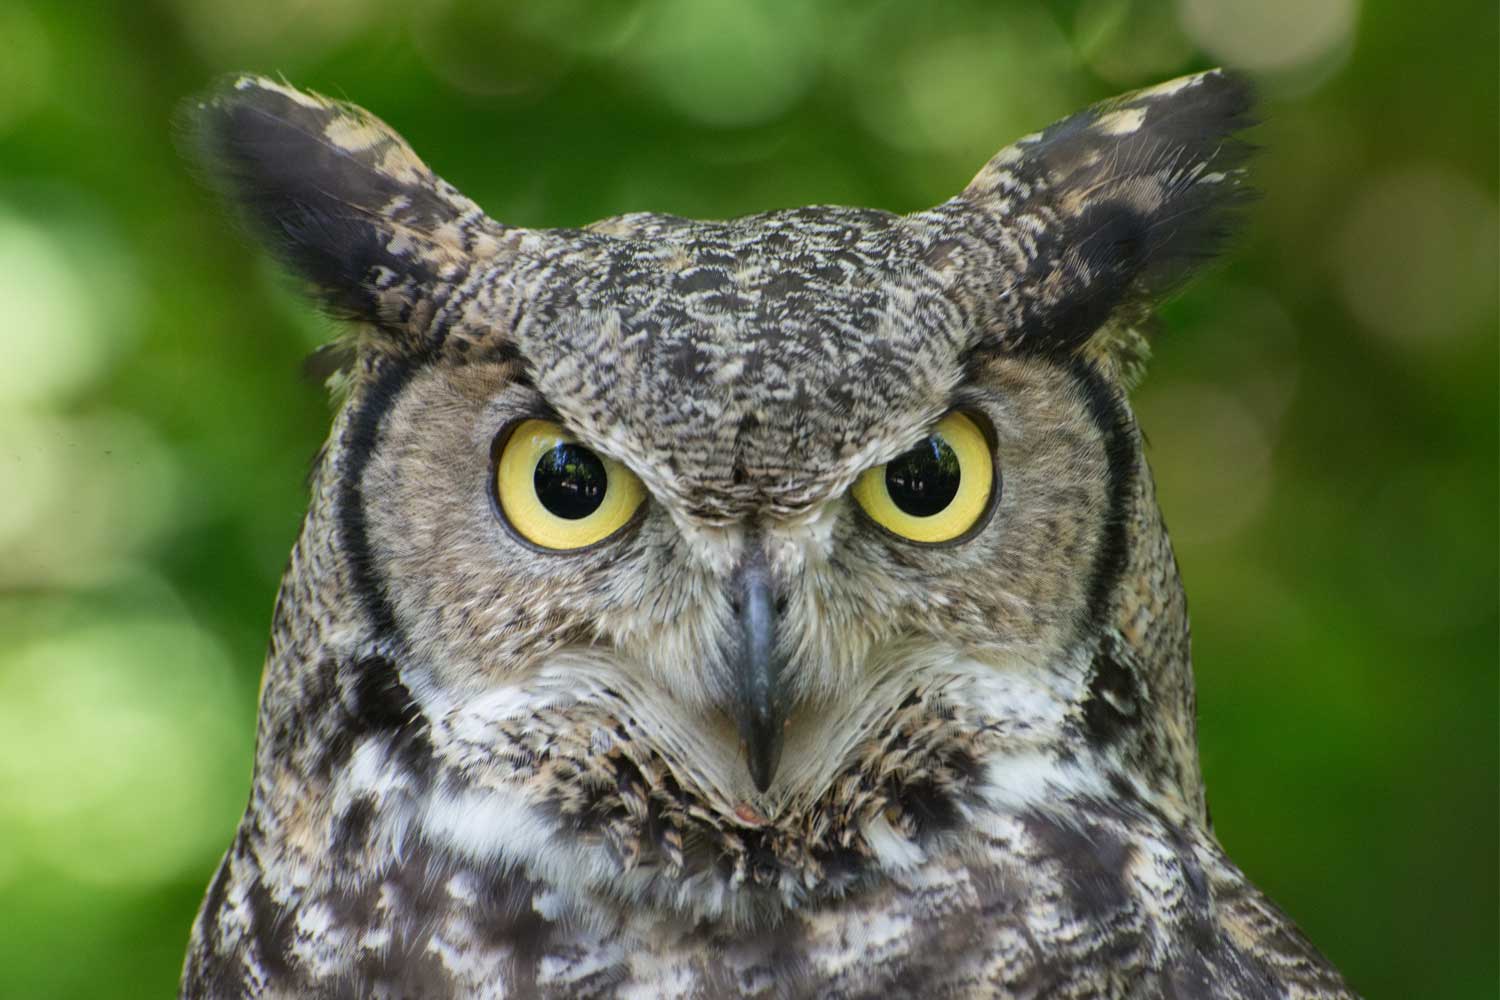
x=969, y=768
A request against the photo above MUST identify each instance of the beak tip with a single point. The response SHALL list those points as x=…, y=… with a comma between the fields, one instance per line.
x=762, y=778
x=761, y=759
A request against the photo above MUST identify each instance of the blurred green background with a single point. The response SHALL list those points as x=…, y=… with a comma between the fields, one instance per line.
x=1322, y=409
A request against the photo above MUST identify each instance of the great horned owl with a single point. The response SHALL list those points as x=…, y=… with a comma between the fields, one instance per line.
x=776, y=607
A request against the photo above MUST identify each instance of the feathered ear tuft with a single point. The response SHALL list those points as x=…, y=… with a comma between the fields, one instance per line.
x=1100, y=215
x=340, y=198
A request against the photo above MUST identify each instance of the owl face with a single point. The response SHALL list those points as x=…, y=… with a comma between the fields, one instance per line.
x=656, y=605
x=792, y=514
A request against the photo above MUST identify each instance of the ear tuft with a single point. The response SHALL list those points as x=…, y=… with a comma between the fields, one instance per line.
x=339, y=197
x=1105, y=212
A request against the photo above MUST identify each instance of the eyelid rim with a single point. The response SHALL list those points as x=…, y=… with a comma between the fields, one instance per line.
x=987, y=430
x=492, y=490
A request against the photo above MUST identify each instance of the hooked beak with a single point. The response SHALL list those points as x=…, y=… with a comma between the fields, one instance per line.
x=759, y=707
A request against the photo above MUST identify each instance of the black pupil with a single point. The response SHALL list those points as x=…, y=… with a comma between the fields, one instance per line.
x=570, y=481
x=924, y=481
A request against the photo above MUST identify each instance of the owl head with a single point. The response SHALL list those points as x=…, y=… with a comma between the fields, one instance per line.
x=818, y=525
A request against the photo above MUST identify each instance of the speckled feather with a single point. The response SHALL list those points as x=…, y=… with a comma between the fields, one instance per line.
x=487, y=771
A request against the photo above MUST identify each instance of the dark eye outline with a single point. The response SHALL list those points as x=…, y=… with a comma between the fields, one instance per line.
x=997, y=489
x=492, y=491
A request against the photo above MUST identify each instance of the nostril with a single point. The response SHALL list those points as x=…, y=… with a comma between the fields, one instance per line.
x=737, y=604
x=751, y=592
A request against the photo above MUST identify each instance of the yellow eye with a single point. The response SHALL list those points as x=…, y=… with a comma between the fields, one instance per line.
x=937, y=491
x=557, y=494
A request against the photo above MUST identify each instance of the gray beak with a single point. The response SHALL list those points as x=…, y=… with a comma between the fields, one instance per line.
x=759, y=706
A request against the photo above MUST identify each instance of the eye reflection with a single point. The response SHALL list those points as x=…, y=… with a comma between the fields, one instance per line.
x=924, y=481
x=570, y=481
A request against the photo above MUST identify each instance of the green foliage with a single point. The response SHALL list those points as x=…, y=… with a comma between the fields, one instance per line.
x=1322, y=408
